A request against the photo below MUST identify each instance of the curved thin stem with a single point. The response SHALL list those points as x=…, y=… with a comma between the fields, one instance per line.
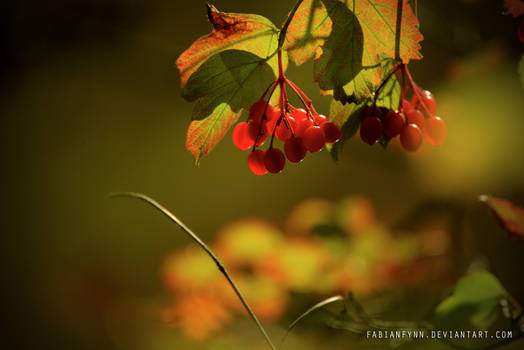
x=307, y=312
x=204, y=246
x=285, y=26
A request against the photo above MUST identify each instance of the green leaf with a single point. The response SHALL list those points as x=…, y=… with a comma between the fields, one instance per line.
x=308, y=30
x=247, y=32
x=225, y=72
x=349, y=39
x=475, y=299
x=346, y=117
x=226, y=83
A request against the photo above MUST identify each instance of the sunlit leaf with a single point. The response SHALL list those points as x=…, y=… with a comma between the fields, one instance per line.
x=308, y=30
x=475, y=298
x=225, y=72
x=514, y=7
x=350, y=38
x=247, y=32
x=509, y=215
x=347, y=117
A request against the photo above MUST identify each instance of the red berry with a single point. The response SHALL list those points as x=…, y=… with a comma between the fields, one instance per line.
x=255, y=160
x=257, y=131
x=299, y=114
x=371, y=130
x=320, y=119
x=241, y=137
x=274, y=160
x=394, y=123
x=272, y=122
x=314, y=138
x=256, y=111
x=521, y=31
x=283, y=132
x=331, y=132
x=369, y=111
x=435, y=131
x=411, y=137
x=295, y=149
x=415, y=117
x=406, y=106
x=302, y=125
x=428, y=105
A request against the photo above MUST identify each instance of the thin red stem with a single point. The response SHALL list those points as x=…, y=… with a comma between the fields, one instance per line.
x=381, y=86
x=416, y=90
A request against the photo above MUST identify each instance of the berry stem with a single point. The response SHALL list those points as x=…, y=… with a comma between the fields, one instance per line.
x=381, y=86
x=204, y=246
x=415, y=88
x=306, y=101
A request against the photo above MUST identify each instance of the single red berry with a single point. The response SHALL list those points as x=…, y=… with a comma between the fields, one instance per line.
x=415, y=117
x=302, y=125
x=314, y=138
x=406, y=106
x=435, y=131
x=521, y=31
x=428, y=105
x=255, y=160
x=274, y=160
x=295, y=149
x=272, y=121
x=299, y=114
x=256, y=112
x=257, y=131
x=331, y=132
x=283, y=132
x=241, y=137
x=320, y=119
x=369, y=111
x=411, y=137
x=371, y=130
x=394, y=123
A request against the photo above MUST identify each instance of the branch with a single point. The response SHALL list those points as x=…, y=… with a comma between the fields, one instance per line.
x=204, y=246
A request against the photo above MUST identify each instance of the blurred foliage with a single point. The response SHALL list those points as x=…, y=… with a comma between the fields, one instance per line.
x=327, y=247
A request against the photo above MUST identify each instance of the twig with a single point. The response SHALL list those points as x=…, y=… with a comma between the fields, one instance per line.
x=204, y=246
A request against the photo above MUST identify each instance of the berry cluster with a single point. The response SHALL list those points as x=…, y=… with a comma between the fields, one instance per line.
x=300, y=130
x=413, y=121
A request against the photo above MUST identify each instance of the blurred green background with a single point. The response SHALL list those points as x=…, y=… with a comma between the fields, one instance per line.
x=91, y=104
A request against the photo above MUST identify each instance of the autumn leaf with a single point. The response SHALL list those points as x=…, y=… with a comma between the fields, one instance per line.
x=224, y=72
x=247, y=32
x=514, y=7
x=509, y=215
x=308, y=30
x=350, y=38
x=222, y=86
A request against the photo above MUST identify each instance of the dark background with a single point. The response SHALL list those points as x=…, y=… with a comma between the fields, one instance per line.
x=91, y=104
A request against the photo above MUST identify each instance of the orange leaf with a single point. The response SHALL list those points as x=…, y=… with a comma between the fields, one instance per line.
x=509, y=215
x=230, y=31
x=514, y=7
